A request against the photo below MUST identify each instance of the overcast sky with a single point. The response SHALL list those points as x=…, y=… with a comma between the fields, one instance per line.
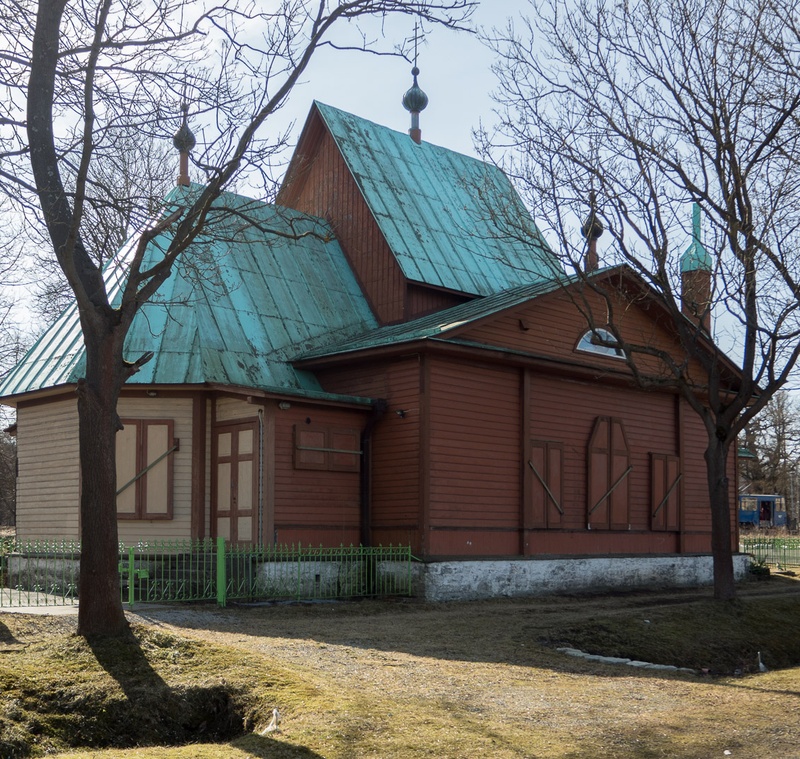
x=455, y=73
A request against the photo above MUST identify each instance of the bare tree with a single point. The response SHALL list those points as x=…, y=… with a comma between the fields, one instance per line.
x=773, y=438
x=134, y=179
x=656, y=106
x=76, y=77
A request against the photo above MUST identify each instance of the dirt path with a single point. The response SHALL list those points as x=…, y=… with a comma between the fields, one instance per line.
x=484, y=661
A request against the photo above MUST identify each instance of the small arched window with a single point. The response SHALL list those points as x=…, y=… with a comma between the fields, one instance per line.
x=600, y=341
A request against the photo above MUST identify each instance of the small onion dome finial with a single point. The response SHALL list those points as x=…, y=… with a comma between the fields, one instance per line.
x=184, y=139
x=592, y=228
x=415, y=100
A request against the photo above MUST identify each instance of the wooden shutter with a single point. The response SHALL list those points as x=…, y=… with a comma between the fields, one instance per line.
x=309, y=447
x=127, y=461
x=665, y=475
x=157, y=482
x=619, y=479
x=546, y=465
x=334, y=449
x=145, y=449
x=608, y=469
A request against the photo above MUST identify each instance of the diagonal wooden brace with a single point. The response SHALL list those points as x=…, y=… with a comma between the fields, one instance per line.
x=612, y=488
x=547, y=489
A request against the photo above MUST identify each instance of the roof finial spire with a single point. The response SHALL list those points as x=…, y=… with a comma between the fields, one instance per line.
x=592, y=229
x=415, y=100
x=184, y=141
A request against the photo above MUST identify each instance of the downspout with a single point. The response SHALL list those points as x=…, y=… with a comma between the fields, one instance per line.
x=378, y=410
x=261, y=476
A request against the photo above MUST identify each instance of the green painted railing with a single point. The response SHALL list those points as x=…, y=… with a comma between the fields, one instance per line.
x=45, y=572
x=777, y=551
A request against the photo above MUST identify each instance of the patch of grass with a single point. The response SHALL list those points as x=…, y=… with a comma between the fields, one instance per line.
x=64, y=692
x=377, y=681
x=723, y=638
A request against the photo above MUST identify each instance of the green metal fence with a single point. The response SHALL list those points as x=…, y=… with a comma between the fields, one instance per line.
x=777, y=551
x=45, y=572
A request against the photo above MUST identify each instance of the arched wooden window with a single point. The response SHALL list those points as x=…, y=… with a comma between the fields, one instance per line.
x=600, y=341
x=608, y=470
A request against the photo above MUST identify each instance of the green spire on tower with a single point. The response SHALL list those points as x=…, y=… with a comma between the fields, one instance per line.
x=696, y=257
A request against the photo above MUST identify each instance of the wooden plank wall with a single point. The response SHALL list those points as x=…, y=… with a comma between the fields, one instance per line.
x=323, y=186
x=48, y=484
x=475, y=420
x=565, y=411
x=422, y=300
x=696, y=510
x=314, y=507
x=178, y=408
x=553, y=324
x=396, y=454
x=48, y=488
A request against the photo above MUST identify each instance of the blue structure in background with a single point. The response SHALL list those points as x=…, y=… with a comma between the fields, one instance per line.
x=762, y=510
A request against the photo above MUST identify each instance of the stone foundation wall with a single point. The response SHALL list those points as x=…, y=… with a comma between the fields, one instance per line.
x=473, y=580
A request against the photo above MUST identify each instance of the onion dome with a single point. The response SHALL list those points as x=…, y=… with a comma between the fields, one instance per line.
x=184, y=139
x=592, y=227
x=415, y=100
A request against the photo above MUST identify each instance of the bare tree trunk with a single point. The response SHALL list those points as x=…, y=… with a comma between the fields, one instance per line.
x=100, y=611
x=716, y=456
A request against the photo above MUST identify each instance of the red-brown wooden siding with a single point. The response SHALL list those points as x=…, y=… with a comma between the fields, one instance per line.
x=395, y=496
x=565, y=412
x=552, y=325
x=467, y=461
x=314, y=506
x=474, y=461
x=324, y=187
x=425, y=300
x=697, y=520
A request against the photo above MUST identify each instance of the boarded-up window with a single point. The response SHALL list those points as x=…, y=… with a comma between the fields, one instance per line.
x=546, y=464
x=665, y=477
x=608, y=470
x=145, y=452
x=334, y=449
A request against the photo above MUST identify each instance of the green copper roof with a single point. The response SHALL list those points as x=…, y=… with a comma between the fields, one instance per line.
x=260, y=284
x=451, y=221
x=696, y=257
x=442, y=324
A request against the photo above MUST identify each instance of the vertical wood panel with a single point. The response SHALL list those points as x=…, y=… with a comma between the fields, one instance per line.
x=126, y=469
x=328, y=190
x=199, y=510
x=396, y=483
x=158, y=481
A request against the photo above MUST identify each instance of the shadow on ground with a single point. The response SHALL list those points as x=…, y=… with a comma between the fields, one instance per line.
x=524, y=632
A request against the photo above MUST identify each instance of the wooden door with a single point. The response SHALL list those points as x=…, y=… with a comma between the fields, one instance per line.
x=235, y=487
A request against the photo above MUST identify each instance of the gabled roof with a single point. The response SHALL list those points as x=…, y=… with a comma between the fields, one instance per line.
x=451, y=221
x=440, y=325
x=261, y=283
x=447, y=325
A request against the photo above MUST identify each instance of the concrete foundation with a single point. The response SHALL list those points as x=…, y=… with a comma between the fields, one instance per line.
x=474, y=580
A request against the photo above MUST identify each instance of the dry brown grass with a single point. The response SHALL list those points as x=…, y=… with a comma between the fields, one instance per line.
x=395, y=679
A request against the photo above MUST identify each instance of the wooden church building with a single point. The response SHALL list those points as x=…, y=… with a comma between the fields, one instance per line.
x=378, y=359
